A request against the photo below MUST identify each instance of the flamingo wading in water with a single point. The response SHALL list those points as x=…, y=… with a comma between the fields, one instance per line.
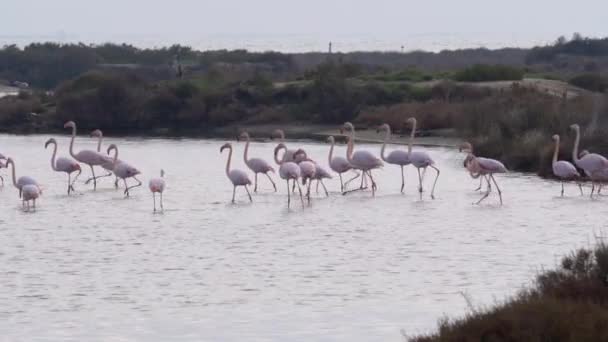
x=62, y=164
x=27, y=186
x=308, y=170
x=237, y=177
x=562, y=169
x=123, y=170
x=397, y=157
x=593, y=164
x=421, y=160
x=257, y=165
x=157, y=185
x=361, y=160
x=486, y=167
x=88, y=157
x=339, y=164
x=288, y=170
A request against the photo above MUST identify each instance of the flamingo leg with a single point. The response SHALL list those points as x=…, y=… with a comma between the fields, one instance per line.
x=562, y=182
x=20, y=192
x=248, y=194
x=132, y=186
x=487, y=193
x=293, y=188
x=352, y=179
x=94, y=179
x=324, y=188
x=34, y=204
x=115, y=181
x=497, y=188
x=402, y=180
x=301, y=198
x=480, y=184
x=126, y=192
x=74, y=181
x=271, y=181
x=341, y=182
x=592, y=188
x=419, y=183
x=580, y=187
x=154, y=199
x=233, y=193
x=2, y=179
x=371, y=179
x=288, y=195
x=69, y=183
x=308, y=191
x=255, y=187
x=435, y=182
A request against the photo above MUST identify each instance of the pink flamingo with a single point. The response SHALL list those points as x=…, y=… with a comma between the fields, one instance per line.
x=601, y=176
x=88, y=157
x=308, y=170
x=562, y=169
x=468, y=148
x=361, y=160
x=486, y=168
x=27, y=186
x=591, y=163
x=256, y=165
x=397, y=157
x=108, y=165
x=237, y=177
x=123, y=170
x=339, y=165
x=63, y=164
x=421, y=160
x=288, y=170
x=157, y=185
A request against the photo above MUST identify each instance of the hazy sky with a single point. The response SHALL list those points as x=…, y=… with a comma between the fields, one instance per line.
x=123, y=18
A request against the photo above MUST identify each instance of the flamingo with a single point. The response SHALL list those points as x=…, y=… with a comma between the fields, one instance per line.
x=591, y=163
x=562, y=169
x=601, y=176
x=397, y=157
x=27, y=186
x=256, y=165
x=468, y=148
x=88, y=157
x=361, y=160
x=157, y=185
x=63, y=164
x=486, y=168
x=123, y=170
x=237, y=177
x=321, y=174
x=420, y=160
x=108, y=165
x=308, y=170
x=339, y=164
x=288, y=170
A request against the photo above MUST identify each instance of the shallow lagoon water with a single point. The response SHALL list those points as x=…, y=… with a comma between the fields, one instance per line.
x=97, y=266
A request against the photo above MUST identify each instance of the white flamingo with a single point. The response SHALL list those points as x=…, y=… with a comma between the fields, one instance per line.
x=562, y=169
x=157, y=186
x=591, y=163
x=63, y=164
x=123, y=170
x=88, y=157
x=421, y=160
x=237, y=177
x=257, y=165
x=361, y=160
x=27, y=186
x=396, y=157
x=288, y=170
x=339, y=164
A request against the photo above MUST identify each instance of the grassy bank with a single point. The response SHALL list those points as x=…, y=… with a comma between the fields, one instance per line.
x=566, y=304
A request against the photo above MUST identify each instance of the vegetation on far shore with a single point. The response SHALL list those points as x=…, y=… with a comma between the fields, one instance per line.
x=566, y=304
x=179, y=91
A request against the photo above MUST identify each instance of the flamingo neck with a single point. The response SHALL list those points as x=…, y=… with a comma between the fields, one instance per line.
x=575, y=149
x=228, y=161
x=350, y=147
x=99, y=143
x=53, y=166
x=72, y=142
x=246, y=153
x=276, y=156
x=556, y=151
x=409, y=147
x=386, y=139
x=115, y=159
x=13, y=173
x=331, y=151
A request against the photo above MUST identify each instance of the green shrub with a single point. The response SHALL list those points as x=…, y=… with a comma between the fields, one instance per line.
x=592, y=82
x=483, y=73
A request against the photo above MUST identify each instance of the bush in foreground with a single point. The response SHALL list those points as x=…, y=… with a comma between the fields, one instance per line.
x=567, y=304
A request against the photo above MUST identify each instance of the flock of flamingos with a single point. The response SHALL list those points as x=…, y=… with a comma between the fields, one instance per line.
x=296, y=166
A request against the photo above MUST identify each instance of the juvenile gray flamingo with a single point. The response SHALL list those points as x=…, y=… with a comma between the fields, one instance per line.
x=29, y=190
x=257, y=165
x=562, y=169
x=339, y=164
x=157, y=186
x=288, y=170
x=591, y=163
x=421, y=160
x=88, y=157
x=396, y=157
x=62, y=164
x=123, y=170
x=361, y=160
x=237, y=177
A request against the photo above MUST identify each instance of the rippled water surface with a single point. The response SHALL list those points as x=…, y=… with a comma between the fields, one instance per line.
x=97, y=266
